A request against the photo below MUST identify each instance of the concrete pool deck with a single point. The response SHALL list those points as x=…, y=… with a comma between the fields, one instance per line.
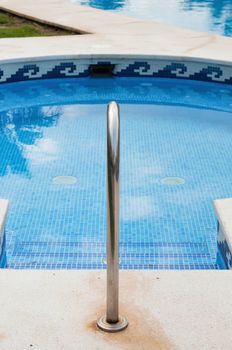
x=111, y=35
x=167, y=310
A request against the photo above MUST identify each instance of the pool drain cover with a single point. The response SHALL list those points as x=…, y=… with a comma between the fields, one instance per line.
x=173, y=181
x=64, y=180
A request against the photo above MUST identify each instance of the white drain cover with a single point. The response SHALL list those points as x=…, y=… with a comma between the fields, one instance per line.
x=173, y=181
x=64, y=180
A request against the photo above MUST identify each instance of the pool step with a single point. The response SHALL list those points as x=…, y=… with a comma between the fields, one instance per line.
x=90, y=255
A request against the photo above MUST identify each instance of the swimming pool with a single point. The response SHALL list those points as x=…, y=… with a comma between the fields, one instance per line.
x=201, y=15
x=169, y=129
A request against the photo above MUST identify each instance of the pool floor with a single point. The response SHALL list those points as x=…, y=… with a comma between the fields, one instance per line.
x=175, y=160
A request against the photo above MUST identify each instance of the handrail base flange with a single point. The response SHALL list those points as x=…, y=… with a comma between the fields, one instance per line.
x=112, y=327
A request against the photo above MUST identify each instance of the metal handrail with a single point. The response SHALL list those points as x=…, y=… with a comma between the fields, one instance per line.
x=112, y=322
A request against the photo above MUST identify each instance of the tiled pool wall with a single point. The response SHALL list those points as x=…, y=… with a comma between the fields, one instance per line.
x=127, y=67
x=2, y=251
x=224, y=251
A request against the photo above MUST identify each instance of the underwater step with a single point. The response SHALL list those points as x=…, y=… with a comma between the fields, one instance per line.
x=133, y=255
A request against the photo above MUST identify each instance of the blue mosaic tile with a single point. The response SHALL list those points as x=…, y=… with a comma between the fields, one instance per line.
x=28, y=71
x=3, y=253
x=46, y=134
x=224, y=252
x=63, y=70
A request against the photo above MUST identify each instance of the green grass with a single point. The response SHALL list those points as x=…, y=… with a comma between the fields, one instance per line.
x=5, y=18
x=19, y=32
x=12, y=26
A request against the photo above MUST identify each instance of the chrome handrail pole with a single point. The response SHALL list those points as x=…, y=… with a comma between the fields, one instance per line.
x=112, y=322
x=113, y=162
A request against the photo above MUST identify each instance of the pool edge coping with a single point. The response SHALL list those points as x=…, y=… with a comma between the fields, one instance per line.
x=153, y=39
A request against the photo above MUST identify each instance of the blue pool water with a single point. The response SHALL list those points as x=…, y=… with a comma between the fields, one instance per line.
x=201, y=15
x=169, y=128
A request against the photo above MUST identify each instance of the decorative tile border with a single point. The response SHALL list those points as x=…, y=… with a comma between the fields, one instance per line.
x=14, y=72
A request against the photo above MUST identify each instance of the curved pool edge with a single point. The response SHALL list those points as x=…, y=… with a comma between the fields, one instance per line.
x=114, y=35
